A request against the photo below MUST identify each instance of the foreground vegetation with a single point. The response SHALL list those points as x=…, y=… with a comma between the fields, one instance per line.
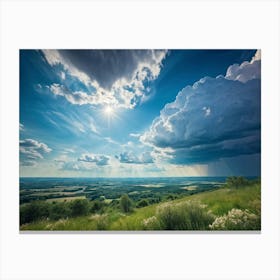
x=235, y=206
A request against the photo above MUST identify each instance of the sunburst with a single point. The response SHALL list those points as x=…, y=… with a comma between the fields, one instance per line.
x=109, y=111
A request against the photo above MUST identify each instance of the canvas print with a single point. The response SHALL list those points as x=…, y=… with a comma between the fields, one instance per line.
x=140, y=140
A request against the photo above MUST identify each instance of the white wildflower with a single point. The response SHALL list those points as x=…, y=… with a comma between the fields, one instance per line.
x=236, y=219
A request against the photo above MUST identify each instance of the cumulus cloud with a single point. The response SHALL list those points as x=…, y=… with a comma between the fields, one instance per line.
x=86, y=162
x=21, y=127
x=99, y=160
x=215, y=118
x=130, y=157
x=72, y=166
x=247, y=70
x=31, y=150
x=112, y=76
x=146, y=157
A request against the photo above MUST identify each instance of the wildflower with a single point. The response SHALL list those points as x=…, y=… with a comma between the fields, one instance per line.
x=236, y=219
x=150, y=220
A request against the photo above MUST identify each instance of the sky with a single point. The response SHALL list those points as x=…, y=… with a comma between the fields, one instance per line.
x=140, y=113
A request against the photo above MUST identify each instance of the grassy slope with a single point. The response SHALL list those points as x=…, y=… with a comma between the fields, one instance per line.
x=218, y=201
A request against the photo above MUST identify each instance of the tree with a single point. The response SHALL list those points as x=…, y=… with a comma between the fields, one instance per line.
x=34, y=211
x=126, y=203
x=142, y=203
x=97, y=205
x=59, y=210
x=79, y=207
x=236, y=182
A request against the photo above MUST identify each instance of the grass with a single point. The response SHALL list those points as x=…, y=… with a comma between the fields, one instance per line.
x=219, y=202
x=223, y=200
x=90, y=222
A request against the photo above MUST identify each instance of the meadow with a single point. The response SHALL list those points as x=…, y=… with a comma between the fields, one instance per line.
x=232, y=205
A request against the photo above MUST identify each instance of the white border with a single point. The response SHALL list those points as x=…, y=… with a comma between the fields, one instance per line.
x=156, y=24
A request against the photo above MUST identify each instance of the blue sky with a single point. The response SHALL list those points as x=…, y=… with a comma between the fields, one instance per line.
x=123, y=113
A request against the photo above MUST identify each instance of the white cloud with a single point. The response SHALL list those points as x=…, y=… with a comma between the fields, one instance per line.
x=93, y=128
x=62, y=75
x=67, y=151
x=111, y=141
x=207, y=111
x=53, y=57
x=73, y=122
x=79, y=126
x=63, y=157
x=80, y=97
x=85, y=163
x=99, y=160
x=257, y=56
x=130, y=157
x=21, y=127
x=72, y=166
x=247, y=70
x=32, y=150
x=136, y=135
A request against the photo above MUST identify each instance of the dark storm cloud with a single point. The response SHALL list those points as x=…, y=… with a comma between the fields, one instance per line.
x=213, y=151
x=107, y=66
x=118, y=77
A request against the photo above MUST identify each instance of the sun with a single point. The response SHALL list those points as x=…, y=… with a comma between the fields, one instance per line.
x=110, y=113
x=109, y=110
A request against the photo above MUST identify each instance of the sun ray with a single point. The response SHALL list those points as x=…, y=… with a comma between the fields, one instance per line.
x=110, y=114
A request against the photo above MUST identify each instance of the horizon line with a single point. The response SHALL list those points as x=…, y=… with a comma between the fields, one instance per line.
x=258, y=176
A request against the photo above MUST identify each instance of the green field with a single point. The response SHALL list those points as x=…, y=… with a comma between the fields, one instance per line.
x=227, y=208
x=69, y=198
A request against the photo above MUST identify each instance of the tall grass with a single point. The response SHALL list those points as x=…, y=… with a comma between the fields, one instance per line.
x=187, y=215
x=223, y=200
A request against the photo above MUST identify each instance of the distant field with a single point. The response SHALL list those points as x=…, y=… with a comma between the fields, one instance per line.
x=70, y=198
x=153, y=189
x=189, y=188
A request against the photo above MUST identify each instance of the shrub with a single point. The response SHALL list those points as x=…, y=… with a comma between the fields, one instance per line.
x=154, y=200
x=114, y=204
x=97, y=206
x=171, y=197
x=142, y=203
x=189, y=215
x=237, y=219
x=59, y=210
x=34, y=211
x=126, y=203
x=236, y=182
x=79, y=207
